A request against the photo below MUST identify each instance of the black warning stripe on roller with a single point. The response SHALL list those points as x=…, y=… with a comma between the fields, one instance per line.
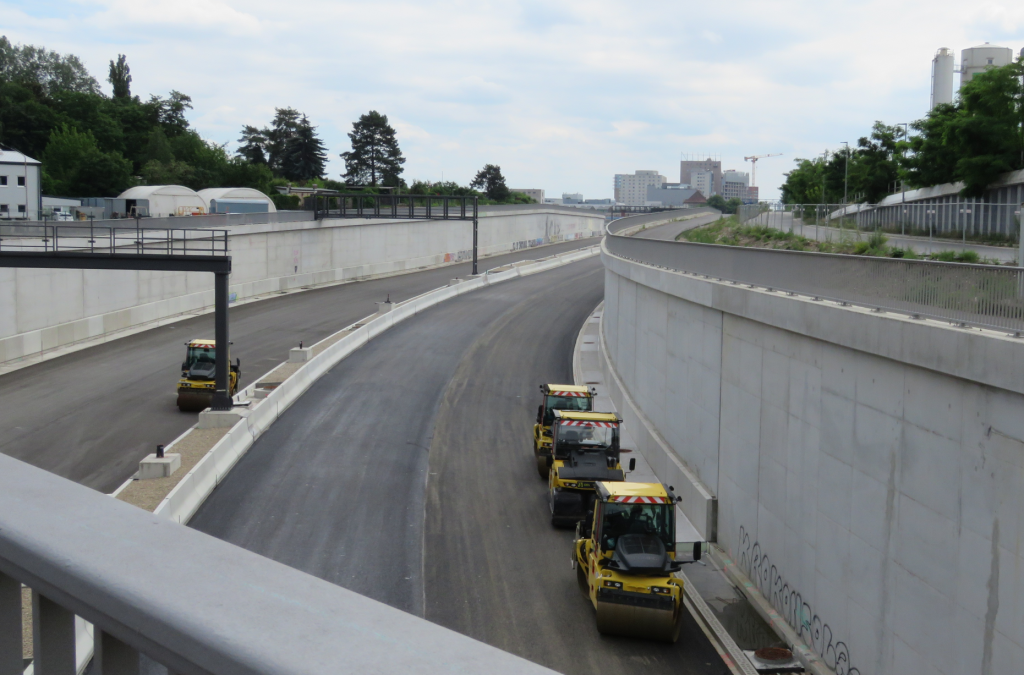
x=645, y=600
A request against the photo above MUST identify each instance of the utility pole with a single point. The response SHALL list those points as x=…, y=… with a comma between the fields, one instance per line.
x=903, y=186
x=846, y=189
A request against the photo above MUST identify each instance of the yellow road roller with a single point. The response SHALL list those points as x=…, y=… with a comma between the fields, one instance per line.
x=199, y=373
x=585, y=449
x=556, y=397
x=625, y=560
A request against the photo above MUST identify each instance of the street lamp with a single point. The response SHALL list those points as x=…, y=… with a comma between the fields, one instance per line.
x=846, y=189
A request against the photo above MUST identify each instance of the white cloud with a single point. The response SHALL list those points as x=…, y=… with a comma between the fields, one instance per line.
x=561, y=95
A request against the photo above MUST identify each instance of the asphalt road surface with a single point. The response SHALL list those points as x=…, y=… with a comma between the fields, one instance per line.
x=406, y=474
x=670, y=231
x=91, y=415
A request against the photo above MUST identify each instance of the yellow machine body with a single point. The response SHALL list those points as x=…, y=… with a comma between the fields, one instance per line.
x=198, y=376
x=585, y=450
x=555, y=397
x=625, y=561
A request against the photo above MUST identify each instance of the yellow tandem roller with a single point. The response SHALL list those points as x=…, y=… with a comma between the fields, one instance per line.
x=625, y=561
x=198, y=376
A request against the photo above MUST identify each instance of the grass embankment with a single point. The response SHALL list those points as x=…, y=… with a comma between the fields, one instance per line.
x=729, y=232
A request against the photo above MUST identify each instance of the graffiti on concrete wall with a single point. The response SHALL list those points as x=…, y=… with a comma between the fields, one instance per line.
x=790, y=604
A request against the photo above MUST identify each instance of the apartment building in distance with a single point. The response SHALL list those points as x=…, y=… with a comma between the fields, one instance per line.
x=713, y=165
x=735, y=184
x=631, y=188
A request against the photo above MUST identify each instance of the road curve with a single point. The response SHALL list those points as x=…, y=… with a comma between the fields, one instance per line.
x=670, y=231
x=406, y=474
x=91, y=415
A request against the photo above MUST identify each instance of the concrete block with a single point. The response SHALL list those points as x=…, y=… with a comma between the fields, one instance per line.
x=383, y=307
x=159, y=467
x=219, y=419
x=300, y=354
x=455, y=282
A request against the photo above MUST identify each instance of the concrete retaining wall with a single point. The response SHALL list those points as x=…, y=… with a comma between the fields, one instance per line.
x=41, y=310
x=868, y=468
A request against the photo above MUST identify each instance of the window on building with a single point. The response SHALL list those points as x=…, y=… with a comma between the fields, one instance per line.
x=3, y=180
x=21, y=181
x=21, y=208
x=4, y=208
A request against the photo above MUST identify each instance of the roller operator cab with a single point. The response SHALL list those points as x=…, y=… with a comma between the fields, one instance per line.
x=625, y=560
x=199, y=374
x=585, y=450
x=556, y=397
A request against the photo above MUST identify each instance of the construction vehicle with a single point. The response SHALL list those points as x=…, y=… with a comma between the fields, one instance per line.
x=585, y=450
x=556, y=397
x=625, y=559
x=199, y=374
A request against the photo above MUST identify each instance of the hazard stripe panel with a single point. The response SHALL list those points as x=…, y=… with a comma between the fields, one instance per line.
x=627, y=499
x=568, y=394
x=203, y=346
x=583, y=423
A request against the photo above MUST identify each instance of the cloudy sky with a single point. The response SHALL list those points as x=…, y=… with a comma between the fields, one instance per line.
x=561, y=94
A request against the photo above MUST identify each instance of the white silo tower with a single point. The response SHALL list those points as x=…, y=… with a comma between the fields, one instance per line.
x=979, y=59
x=942, y=76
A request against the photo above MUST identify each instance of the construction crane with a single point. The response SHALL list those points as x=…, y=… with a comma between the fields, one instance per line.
x=753, y=165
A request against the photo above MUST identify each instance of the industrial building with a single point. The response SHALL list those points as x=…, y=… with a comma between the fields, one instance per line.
x=972, y=61
x=631, y=189
x=20, y=186
x=162, y=200
x=712, y=165
x=674, y=194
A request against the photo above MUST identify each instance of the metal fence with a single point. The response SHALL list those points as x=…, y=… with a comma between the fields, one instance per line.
x=182, y=222
x=128, y=237
x=947, y=217
x=425, y=207
x=962, y=294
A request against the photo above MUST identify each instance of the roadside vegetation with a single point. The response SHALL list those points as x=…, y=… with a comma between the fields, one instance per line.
x=729, y=232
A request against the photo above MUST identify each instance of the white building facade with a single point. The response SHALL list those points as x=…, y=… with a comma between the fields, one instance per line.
x=735, y=184
x=20, y=186
x=704, y=181
x=631, y=189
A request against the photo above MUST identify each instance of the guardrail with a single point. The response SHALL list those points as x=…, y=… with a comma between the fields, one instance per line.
x=985, y=296
x=428, y=207
x=88, y=237
x=191, y=602
x=619, y=224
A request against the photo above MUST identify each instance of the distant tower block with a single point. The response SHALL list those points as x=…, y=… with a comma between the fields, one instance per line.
x=942, y=77
x=979, y=59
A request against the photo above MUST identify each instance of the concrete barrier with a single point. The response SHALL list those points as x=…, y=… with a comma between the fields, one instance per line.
x=868, y=467
x=46, y=310
x=186, y=498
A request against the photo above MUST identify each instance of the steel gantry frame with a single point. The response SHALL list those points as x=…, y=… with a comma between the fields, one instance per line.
x=74, y=246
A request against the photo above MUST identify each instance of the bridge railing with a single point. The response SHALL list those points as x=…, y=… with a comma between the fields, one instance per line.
x=986, y=296
x=195, y=604
x=124, y=237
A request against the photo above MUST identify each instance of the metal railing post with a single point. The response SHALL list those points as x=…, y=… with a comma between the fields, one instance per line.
x=475, y=224
x=11, y=662
x=53, y=638
x=112, y=656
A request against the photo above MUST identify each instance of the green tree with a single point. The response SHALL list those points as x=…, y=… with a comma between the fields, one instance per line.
x=76, y=167
x=933, y=154
x=279, y=135
x=873, y=166
x=253, y=145
x=51, y=71
x=158, y=148
x=804, y=183
x=989, y=132
x=171, y=112
x=120, y=77
x=375, y=158
x=304, y=156
x=490, y=180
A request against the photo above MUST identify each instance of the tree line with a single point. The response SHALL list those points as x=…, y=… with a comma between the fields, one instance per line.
x=91, y=144
x=974, y=140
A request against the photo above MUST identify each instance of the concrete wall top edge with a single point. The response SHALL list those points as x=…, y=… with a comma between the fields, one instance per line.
x=986, y=357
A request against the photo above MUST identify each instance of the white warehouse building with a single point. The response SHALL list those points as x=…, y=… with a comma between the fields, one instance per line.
x=163, y=200
x=236, y=200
